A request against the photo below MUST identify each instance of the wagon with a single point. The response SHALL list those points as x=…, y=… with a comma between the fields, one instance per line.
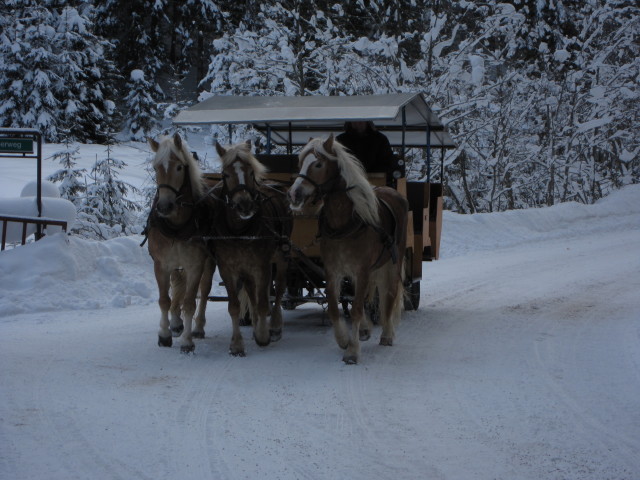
x=287, y=123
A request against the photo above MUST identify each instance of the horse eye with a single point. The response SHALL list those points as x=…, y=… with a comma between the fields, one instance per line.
x=179, y=167
x=319, y=165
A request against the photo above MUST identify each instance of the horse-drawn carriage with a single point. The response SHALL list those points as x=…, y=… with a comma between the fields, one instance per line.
x=287, y=123
x=354, y=238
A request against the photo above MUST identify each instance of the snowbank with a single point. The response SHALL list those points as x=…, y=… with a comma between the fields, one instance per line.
x=462, y=234
x=61, y=272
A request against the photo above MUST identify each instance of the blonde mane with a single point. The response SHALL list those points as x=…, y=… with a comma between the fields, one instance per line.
x=166, y=148
x=242, y=151
x=365, y=202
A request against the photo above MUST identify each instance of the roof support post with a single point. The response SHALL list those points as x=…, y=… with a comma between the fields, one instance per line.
x=404, y=131
x=428, y=153
x=230, y=132
x=290, y=144
x=268, y=139
x=39, y=234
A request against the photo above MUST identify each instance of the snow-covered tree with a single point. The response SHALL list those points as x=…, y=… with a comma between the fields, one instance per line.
x=69, y=177
x=107, y=211
x=87, y=111
x=29, y=69
x=141, y=116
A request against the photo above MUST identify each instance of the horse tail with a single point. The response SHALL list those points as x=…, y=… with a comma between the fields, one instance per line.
x=245, y=304
x=402, y=295
x=178, y=288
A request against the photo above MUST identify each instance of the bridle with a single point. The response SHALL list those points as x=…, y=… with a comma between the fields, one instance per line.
x=228, y=194
x=185, y=189
x=326, y=187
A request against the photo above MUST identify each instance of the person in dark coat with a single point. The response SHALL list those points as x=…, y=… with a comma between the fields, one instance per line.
x=369, y=146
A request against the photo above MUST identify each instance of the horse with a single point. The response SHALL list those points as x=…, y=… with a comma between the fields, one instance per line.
x=176, y=228
x=362, y=233
x=251, y=237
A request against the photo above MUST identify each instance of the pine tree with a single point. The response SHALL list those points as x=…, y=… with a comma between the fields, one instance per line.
x=69, y=176
x=83, y=68
x=107, y=206
x=29, y=69
x=141, y=118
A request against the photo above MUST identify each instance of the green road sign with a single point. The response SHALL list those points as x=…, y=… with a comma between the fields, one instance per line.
x=16, y=145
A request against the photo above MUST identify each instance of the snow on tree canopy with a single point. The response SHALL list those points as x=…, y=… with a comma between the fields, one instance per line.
x=137, y=75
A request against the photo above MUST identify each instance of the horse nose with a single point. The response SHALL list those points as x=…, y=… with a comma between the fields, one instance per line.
x=293, y=194
x=165, y=207
x=245, y=208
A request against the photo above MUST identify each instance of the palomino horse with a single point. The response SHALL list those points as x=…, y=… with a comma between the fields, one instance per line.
x=179, y=217
x=250, y=235
x=362, y=237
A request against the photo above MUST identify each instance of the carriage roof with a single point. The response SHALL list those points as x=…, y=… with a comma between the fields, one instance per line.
x=292, y=120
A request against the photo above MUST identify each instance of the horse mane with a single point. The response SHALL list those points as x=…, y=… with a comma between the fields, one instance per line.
x=365, y=201
x=242, y=151
x=167, y=147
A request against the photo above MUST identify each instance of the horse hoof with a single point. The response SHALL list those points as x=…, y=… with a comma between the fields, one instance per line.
x=164, y=341
x=386, y=341
x=275, y=334
x=238, y=353
x=177, y=331
x=262, y=343
x=350, y=359
x=197, y=334
x=186, y=349
x=365, y=335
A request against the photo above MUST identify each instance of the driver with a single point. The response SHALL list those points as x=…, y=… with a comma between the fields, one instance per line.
x=369, y=146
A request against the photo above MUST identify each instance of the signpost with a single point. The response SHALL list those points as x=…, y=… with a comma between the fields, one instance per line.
x=20, y=142
x=16, y=145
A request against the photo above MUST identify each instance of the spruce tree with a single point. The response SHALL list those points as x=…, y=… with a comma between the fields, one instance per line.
x=141, y=117
x=69, y=177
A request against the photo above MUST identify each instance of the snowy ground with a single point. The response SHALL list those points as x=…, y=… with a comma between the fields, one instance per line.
x=523, y=362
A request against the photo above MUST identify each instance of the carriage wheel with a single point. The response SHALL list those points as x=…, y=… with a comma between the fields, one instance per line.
x=412, y=300
x=412, y=289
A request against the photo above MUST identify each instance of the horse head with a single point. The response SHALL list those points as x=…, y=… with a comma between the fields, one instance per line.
x=319, y=172
x=178, y=176
x=241, y=175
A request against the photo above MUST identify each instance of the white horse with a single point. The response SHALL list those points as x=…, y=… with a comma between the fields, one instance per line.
x=180, y=217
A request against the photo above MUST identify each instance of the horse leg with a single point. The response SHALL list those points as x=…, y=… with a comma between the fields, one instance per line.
x=178, y=285
x=366, y=325
x=193, y=276
x=164, y=302
x=205, y=288
x=236, y=347
x=352, y=354
x=391, y=307
x=258, y=291
x=280, y=285
x=340, y=330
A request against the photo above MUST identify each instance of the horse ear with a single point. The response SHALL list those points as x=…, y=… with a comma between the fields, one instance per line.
x=328, y=144
x=220, y=149
x=153, y=144
x=248, y=142
x=177, y=141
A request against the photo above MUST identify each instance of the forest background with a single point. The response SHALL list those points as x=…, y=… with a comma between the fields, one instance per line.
x=540, y=96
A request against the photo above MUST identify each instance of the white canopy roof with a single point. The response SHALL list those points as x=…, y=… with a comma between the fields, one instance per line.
x=295, y=119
